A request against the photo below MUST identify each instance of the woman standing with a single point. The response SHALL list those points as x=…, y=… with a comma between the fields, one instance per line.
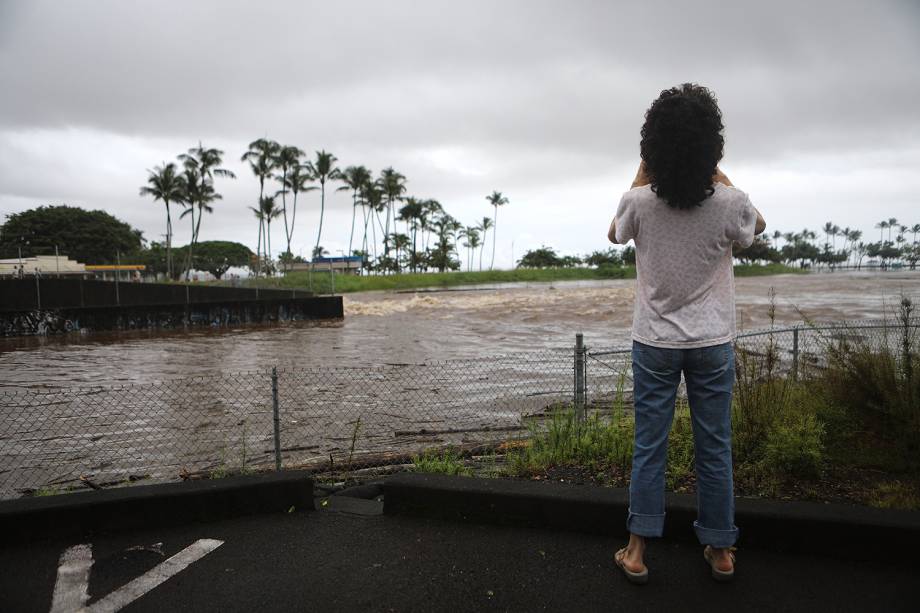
x=684, y=216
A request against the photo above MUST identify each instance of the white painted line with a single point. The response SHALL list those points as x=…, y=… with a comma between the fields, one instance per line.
x=133, y=590
x=70, y=589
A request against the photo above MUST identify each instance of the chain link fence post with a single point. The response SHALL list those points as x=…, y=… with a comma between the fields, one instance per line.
x=579, y=377
x=277, y=418
x=795, y=353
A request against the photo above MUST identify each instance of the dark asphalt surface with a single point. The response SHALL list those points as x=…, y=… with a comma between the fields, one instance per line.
x=329, y=560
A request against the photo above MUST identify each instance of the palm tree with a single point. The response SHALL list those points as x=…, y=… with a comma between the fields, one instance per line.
x=354, y=178
x=262, y=156
x=167, y=185
x=261, y=217
x=776, y=236
x=915, y=229
x=323, y=169
x=484, y=227
x=297, y=181
x=892, y=222
x=288, y=158
x=471, y=234
x=496, y=199
x=855, y=235
x=828, y=230
x=881, y=226
x=393, y=186
x=400, y=243
x=372, y=196
x=190, y=198
x=411, y=214
x=269, y=211
x=205, y=164
x=431, y=209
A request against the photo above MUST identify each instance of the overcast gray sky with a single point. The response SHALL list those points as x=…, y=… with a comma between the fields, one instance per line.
x=540, y=100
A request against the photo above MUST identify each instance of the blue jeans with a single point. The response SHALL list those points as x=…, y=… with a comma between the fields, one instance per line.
x=709, y=373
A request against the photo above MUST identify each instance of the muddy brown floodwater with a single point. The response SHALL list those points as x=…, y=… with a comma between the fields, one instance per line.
x=393, y=328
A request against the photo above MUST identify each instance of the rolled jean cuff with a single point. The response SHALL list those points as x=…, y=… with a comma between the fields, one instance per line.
x=716, y=538
x=645, y=525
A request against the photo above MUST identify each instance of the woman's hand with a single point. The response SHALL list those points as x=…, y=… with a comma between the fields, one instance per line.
x=720, y=177
x=642, y=177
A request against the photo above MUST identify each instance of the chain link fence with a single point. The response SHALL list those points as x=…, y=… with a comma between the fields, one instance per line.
x=334, y=422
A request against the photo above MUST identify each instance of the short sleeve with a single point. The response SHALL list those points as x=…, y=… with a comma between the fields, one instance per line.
x=742, y=222
x=626, y=222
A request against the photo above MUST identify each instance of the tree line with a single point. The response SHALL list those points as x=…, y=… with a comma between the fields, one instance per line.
x=429, y=239
x=804, y=249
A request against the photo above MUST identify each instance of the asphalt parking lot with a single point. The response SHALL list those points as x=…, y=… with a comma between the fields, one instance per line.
x=342, y=558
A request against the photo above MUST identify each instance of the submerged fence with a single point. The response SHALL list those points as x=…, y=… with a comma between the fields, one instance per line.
x=333, y=421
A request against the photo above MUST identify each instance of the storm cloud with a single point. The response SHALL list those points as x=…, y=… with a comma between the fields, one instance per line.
x=541, y=100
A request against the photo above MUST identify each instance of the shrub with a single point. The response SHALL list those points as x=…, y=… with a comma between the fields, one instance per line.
x=794, y=446
x=877, y=381
x=611, y=271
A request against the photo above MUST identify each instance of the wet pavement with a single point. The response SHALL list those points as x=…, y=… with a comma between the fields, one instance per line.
x=348, y=557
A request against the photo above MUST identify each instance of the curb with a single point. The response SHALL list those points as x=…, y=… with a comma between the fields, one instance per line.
x=836, y=529
x=147, y=506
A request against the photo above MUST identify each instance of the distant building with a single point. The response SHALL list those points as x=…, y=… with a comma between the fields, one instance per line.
x=349, y=265
x=45, y=265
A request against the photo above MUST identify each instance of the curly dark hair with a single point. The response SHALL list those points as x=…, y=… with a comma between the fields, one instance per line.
x=682, y=144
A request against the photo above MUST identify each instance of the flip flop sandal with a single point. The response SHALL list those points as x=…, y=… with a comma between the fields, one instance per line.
x=719, y=575
x=640, y=578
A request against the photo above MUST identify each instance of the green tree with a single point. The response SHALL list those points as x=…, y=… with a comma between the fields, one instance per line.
x=610, y=257
x=496, y=199
x=262, y=155
x=270, y=211
x=297, y=181
x=354, y=179
x=544, y=257
x=165, y=184
x=287, y=159
x=216, y=257
x=91, y=237
x=373, y=197
x=759, y=250
x=629, y=256
x=484, y=226
x=440, y=257
x=202, y=164
x=410, y=213
x=393, y=186
x=323, y=169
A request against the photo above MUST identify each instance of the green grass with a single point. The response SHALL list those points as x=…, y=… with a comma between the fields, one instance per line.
x=448, y=462
x=321, y=282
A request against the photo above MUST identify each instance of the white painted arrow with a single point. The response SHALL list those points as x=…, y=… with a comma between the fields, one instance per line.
x=72, y=588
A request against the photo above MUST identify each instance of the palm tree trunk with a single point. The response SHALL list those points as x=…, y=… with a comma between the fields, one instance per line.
x=354, y=205
x=374, y=232
x=168, y=242
x=481, y=249
x=284, y=208
x=268, y=238
x=291, y=235
x=191, y=245
x=322, y=209
x=494, y=234
x=259, y=249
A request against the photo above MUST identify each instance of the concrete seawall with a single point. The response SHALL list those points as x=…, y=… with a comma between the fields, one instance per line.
x=49, y=306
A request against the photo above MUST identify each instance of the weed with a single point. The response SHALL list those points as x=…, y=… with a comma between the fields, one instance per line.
x=448, y=462
x=895, y=495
